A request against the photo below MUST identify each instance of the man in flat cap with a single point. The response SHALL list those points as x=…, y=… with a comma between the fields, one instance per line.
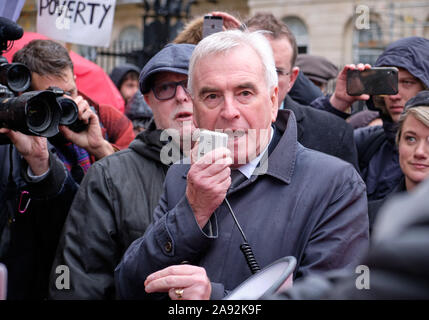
x=114, y=205
x=318, y=69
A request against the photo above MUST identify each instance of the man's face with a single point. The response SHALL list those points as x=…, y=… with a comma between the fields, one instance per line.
x=128, y=88
x=282, y=51
x=414, y=151
x=230, y=94
x=408, y=87
x=173, y=113
x=66, y=82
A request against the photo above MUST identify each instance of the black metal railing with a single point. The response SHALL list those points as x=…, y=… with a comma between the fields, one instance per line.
x=118, y=53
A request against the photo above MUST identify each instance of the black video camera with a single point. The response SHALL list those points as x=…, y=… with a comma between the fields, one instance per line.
x=33, y=113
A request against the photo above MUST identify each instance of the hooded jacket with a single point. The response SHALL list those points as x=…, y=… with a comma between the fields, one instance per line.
x=382, y=172
x=112, y=208
x=410, y=53
x=117, y=75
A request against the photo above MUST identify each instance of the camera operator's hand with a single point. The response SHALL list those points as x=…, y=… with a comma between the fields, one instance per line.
x=340, y=99
x=91, y=139
x=207, y=182
x=33, y=149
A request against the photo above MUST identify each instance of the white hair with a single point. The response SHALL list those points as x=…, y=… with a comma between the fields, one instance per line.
x=224, y=41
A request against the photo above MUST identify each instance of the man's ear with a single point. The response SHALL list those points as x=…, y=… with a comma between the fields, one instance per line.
x=293, y=75
x=146, y=99
x=275, y=103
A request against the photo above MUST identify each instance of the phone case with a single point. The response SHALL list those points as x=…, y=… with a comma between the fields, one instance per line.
x=374, y=81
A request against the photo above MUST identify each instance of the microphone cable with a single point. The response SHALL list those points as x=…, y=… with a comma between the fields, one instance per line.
x=245, y=247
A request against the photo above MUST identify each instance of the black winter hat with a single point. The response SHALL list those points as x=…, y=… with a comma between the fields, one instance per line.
x=118, y=73
x=420, y=100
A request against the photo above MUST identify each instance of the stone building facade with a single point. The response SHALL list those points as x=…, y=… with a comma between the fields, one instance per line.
x=343, y=31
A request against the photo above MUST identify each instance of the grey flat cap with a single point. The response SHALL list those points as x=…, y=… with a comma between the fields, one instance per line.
x=316, y=68
x=172, y=58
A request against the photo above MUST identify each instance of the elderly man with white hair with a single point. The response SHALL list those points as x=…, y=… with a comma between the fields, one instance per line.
x=292, y=201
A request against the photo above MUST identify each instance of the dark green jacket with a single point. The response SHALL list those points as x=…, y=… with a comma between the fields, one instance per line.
x=112, y=208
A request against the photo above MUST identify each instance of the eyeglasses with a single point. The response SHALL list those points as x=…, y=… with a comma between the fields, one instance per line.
x=281, y=72
x=167, y=90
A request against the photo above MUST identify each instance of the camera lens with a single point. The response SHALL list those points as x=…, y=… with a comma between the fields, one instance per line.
x=69, y=111
x=39, y=115
x=18, y=77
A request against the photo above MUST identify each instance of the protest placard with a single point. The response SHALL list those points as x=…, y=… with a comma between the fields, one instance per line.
x=87, y=22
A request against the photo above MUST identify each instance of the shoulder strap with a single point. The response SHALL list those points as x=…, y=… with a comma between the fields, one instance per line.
x=8, y=208
x=370, y=146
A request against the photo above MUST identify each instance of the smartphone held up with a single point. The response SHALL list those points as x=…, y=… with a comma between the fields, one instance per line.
x=212, y=24
x=374, y=81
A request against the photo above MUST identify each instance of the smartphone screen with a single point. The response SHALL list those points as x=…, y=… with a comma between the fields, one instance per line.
x=212, y=25
x=374, y=81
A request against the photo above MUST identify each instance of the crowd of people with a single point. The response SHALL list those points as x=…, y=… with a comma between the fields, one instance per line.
x=132, y=212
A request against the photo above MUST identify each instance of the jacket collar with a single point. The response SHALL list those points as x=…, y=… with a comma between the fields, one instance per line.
x=281, y=162
x=290, y=104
